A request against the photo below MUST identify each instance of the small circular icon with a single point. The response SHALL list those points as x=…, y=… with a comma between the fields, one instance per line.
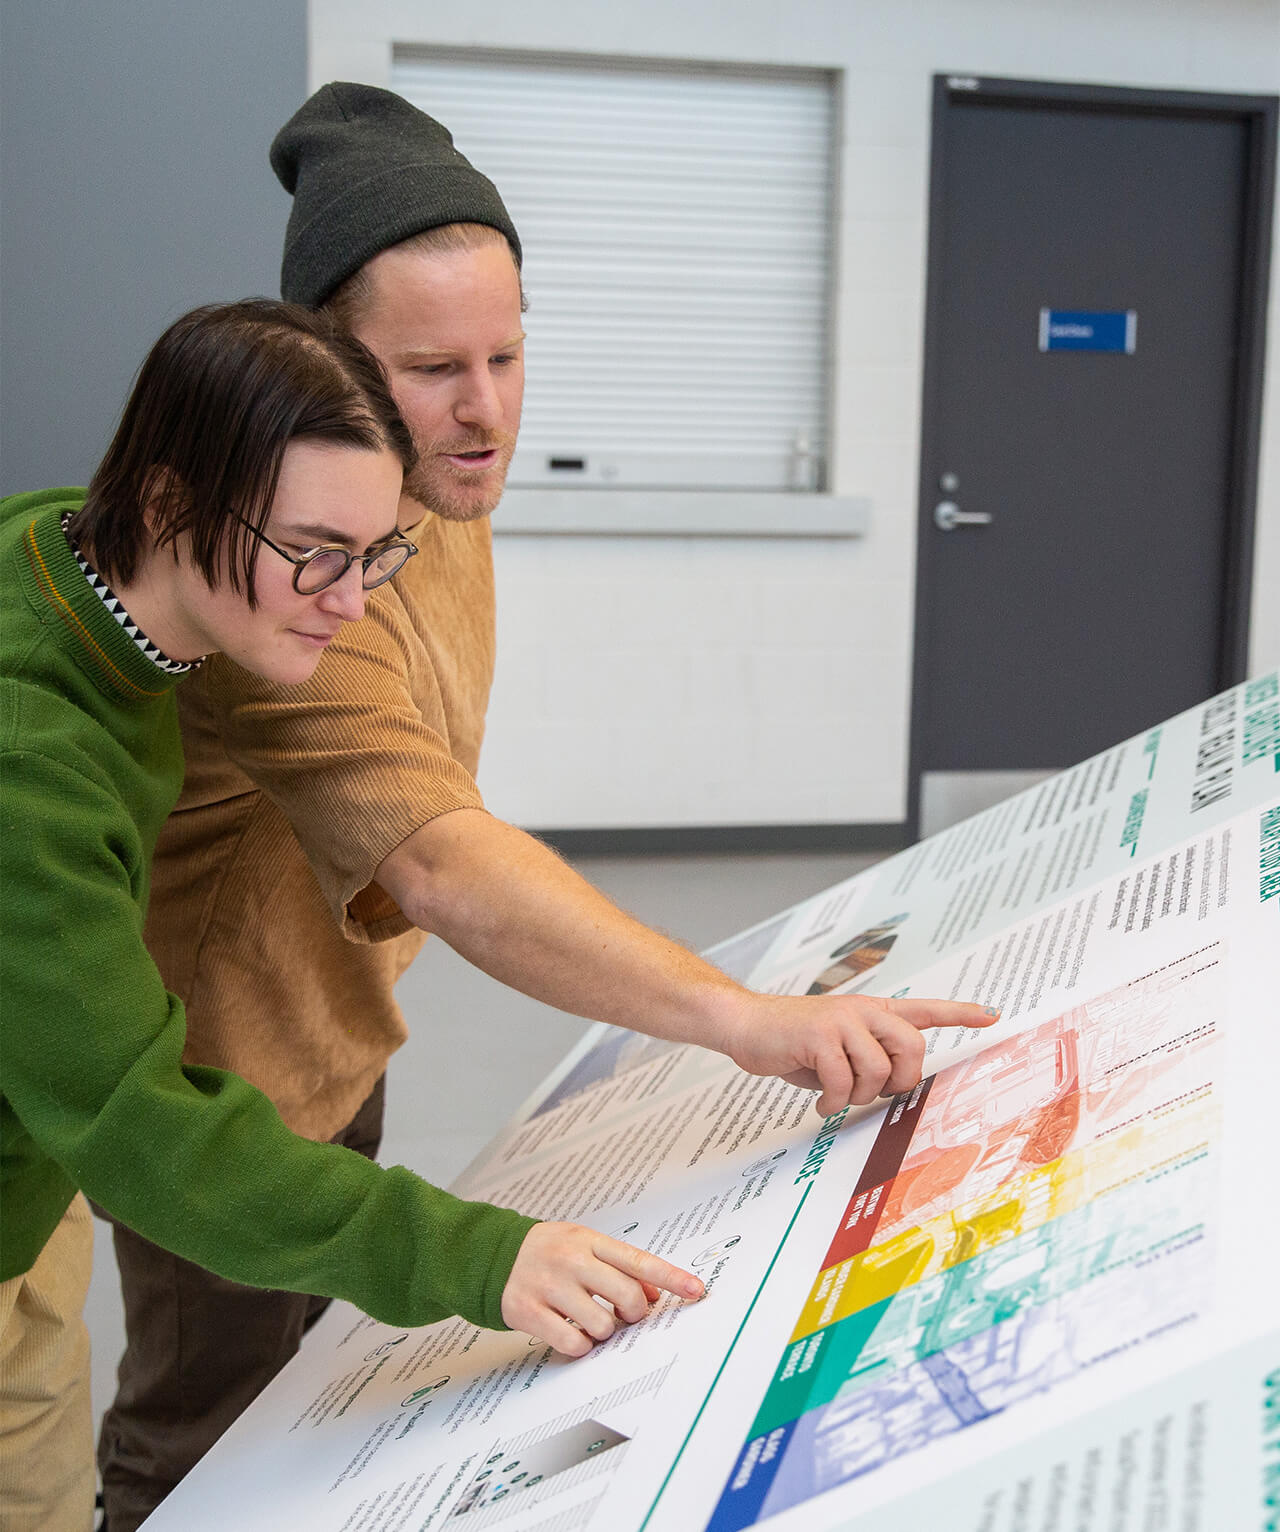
x=758, y=1167
x=421, y=1393
x=716, y=1252
x=387, y=1345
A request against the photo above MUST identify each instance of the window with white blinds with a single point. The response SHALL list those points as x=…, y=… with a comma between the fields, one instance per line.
x=677, y=236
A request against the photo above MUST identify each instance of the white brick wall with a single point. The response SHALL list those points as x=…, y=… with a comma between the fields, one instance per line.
x=707, y=672
x=666, y=682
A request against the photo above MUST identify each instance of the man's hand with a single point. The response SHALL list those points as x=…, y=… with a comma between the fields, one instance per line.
x=563, y=1268
x=852, y=1048
x=509, y=905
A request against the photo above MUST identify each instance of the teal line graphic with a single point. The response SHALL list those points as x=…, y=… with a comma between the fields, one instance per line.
x=786, y=1234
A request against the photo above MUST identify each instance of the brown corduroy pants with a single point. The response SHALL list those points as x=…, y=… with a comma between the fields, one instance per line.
x=199, y=1350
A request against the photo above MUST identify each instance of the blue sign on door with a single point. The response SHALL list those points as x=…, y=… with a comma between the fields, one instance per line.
x=1083, y=330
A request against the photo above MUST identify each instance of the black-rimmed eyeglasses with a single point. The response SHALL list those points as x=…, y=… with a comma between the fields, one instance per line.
x=319, y=568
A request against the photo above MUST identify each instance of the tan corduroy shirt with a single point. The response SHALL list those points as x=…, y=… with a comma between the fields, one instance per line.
x=264, y=915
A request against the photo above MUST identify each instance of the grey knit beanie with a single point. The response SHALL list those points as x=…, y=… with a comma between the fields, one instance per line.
x=366, y=170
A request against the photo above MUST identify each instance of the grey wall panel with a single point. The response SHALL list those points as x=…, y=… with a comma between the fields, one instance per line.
x=134, y=184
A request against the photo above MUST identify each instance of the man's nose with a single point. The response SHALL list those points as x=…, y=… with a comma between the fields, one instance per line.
x=478, y=401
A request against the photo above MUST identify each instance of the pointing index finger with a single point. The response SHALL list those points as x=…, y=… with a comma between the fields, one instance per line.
x=942, y=1013
x=650, y=1269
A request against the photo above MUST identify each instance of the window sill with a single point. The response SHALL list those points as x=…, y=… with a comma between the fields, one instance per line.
x=680, y=513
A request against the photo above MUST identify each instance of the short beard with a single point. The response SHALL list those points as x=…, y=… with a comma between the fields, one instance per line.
x=434, y=487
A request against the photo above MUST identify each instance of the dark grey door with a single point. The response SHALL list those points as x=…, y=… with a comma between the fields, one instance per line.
x=1099, y=590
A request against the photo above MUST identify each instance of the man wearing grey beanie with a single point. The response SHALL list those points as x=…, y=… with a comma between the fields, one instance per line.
x=285, y=938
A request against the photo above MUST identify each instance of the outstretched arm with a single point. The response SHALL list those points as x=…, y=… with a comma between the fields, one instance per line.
x=193, y=1158
x=511, y=906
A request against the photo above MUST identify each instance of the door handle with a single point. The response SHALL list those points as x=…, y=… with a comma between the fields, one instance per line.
x=947, y=516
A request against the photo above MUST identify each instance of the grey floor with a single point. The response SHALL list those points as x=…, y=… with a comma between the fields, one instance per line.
x=478, y=1049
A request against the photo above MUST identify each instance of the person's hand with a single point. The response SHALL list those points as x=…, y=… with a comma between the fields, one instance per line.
x=852, y=1048
x=563, y=1268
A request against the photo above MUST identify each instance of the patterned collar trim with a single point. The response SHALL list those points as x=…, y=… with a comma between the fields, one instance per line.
x=115, y=606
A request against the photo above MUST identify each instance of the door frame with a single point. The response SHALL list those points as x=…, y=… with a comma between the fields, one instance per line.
x=951, y=93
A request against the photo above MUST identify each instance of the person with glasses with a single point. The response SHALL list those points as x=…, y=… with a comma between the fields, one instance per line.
x=410, y=247
x=245, y=506
x=321, y=567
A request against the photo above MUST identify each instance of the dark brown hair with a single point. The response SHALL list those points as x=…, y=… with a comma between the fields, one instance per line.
x=220, y=396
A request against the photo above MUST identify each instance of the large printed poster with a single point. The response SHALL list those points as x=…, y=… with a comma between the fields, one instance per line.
x=1021, y=1215
x=1037, y=1292
x=876, y=930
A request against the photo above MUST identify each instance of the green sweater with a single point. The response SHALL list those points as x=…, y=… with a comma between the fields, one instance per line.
x=94, y=1091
